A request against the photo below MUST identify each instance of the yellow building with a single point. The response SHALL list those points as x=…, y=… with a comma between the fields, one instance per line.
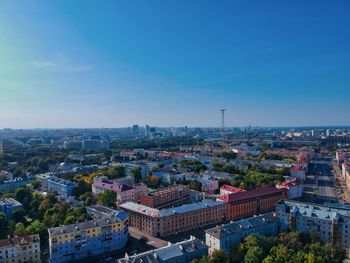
x=24, y=249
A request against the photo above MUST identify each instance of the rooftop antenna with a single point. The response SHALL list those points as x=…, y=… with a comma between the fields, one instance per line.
x=222, y=110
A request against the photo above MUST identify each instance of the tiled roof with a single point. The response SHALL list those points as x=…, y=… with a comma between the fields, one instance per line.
x=18, y=241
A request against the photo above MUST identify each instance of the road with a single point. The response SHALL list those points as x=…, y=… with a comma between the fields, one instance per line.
x=319, y=186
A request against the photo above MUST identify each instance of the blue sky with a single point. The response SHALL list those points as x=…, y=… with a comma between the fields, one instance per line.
x=174, y=63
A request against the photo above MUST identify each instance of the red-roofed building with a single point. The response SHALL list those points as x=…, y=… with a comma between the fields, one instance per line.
x=20, y=249
x=297, y=172
x=228, y=189
x=249, y=203
x=295, y=188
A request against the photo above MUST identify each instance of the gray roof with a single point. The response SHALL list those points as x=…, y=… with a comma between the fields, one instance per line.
x=163, y=254
x=9, y=202
x=82, y=226
x=170, y=211
x=315, y=210
x=104, y=211
x=233, y=228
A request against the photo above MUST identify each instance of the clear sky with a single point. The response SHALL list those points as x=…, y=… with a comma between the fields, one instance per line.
x=173, y=63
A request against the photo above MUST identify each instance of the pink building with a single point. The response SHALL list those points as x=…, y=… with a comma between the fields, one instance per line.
x=228, y=189
x=124, y=192
x=297, y=172
x=295, y=188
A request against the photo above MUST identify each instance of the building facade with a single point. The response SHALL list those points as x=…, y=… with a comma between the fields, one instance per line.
x=20, y=249
x=9, y=205
x=332, y=224
x=166, y=197
x=171, y=221
x=60, y=186
x=75, y=242
x=297, y=172
x=295, y=188
x=227, y=236
x=253, y=202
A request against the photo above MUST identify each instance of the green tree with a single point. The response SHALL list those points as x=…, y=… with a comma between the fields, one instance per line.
x=35, y=183
x=218, y=256
x=115, y=172
x=136, y=172
x=24, y=196
x=107, y=198
x=4, y=229
x=20, y=230
x=254, y=255
x=19, y=215
x=36, y=228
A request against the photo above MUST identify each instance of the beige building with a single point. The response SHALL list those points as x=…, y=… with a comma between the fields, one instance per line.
x=20, y=249
x=171, y=221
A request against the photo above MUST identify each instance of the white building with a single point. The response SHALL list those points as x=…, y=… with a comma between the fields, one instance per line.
x=295, y=188
x=297, y=172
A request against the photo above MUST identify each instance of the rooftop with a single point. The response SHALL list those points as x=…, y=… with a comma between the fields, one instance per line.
x=9, y=202
x=234, y=228
x=251, y=194
x=315, y=210
x=82, y=226
x=17, y=241
x=172, y=251
x=232, y=188
x=169, y=211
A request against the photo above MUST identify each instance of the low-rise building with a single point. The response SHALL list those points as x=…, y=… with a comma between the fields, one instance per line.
x=297, y=172
x=228, y=189
x=60, y=186
x=125, y=192
x=170, y=221
x=20, y=249
x=331, y=224
x=9, y=205
x=44, y=178
x=227, y=236
x=166, y=197
x=12, y=185
x=182, y=252
x=295, y=188
x=253, y=202
x=80, y=241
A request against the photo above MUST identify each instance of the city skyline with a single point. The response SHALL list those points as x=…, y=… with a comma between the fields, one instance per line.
x=74, y=64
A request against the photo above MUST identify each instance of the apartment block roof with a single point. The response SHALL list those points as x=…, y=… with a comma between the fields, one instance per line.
x=235, y=228
x=17, y=241
x=82, y=226
x=260, y=192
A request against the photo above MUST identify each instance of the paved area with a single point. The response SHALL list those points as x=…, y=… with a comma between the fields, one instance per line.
x=319, y=186
x=148, y=239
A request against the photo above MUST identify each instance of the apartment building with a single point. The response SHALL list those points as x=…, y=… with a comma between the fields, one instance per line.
x=297, y=172
x=60, y=186
x=20, y=249
x=166, y=197
x=75, y=242
x=170, y=221
x=295, y=188
x=182, y=252
x=8, y=206
x=253, y=202
x=228, y=189
x=331, y=223
x=227, y=236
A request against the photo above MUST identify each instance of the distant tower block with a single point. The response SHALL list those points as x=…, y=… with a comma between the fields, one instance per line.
x=222, y=110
